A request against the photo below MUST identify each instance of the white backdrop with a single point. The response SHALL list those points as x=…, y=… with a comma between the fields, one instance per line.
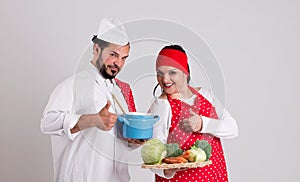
x=256, y=43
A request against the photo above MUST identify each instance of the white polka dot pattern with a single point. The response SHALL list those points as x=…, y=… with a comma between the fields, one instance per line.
x=127, y=93
x=214, y=172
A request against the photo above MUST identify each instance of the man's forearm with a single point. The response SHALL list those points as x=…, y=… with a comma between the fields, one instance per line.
x=84, y=122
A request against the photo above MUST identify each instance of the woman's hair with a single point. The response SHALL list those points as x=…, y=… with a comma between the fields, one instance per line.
x=178, y=48
x=175, y=47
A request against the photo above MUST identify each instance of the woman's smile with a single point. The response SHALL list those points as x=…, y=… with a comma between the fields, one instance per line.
x=168, y=85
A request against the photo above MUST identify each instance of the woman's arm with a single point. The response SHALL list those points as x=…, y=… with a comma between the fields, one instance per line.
x=161, y=107
x=225, y=127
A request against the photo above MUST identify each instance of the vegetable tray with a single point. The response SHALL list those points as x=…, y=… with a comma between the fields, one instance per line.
x=177, y=166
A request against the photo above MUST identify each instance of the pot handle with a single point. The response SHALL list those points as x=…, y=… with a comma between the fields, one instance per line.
x=122, y=119
x=155, y=119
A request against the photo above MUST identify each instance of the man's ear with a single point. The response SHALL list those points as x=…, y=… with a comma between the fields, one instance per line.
x=96, y=53
x=97, y=49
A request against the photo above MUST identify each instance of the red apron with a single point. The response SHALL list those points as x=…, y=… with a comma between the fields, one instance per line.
x=127, y=93
x=180, y=110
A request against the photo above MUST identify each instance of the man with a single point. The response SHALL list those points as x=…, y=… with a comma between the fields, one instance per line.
x=81, y=114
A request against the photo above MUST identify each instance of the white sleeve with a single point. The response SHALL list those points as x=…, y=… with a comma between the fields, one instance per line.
x=161, y=107
x=57, y=118
x=225, y=127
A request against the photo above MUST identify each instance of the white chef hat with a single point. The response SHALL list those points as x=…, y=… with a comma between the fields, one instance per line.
x=112, y=31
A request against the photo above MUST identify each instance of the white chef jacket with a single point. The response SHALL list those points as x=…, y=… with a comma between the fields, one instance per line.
x=90, y=155
x=225, y=127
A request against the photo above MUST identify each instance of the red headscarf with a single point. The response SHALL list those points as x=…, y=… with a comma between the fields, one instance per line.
x=174, y=58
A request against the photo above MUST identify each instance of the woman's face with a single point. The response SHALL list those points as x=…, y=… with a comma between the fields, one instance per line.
x=171, y=80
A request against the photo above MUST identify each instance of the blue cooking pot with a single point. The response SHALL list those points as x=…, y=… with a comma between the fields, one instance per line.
x=137, y=125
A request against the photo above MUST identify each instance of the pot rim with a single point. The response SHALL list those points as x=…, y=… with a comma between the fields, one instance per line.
x=139, y=114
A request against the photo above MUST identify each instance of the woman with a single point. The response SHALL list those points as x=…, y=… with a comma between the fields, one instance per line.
x=187, y=115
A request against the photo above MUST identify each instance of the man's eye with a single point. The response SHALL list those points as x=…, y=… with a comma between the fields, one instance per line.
x=113, y=55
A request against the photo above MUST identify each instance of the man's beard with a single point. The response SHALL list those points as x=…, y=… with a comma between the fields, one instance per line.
x=102, y=70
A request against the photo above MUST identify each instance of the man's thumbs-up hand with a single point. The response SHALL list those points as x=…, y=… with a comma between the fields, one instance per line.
x=104, y=120
x=107, y=119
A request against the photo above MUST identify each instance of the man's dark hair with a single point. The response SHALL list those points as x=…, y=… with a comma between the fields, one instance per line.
x=101, y=43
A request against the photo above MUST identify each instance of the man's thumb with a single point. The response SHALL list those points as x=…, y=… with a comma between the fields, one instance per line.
x=107, y=106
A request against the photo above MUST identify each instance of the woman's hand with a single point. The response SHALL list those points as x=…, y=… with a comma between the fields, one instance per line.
x=193, y=123
x=170, y=172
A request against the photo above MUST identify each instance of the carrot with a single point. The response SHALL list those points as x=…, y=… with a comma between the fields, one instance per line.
x=174, y=160
x=186, y=154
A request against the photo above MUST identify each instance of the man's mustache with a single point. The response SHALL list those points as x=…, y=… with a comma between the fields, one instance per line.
x=113, y=66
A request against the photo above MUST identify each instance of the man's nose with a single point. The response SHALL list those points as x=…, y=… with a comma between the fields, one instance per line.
x=118, y=62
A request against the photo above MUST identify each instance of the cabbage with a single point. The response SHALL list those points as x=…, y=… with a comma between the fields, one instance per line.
x=204, y=145
x=153, y=151
x=173, y=150
x=197, y=155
